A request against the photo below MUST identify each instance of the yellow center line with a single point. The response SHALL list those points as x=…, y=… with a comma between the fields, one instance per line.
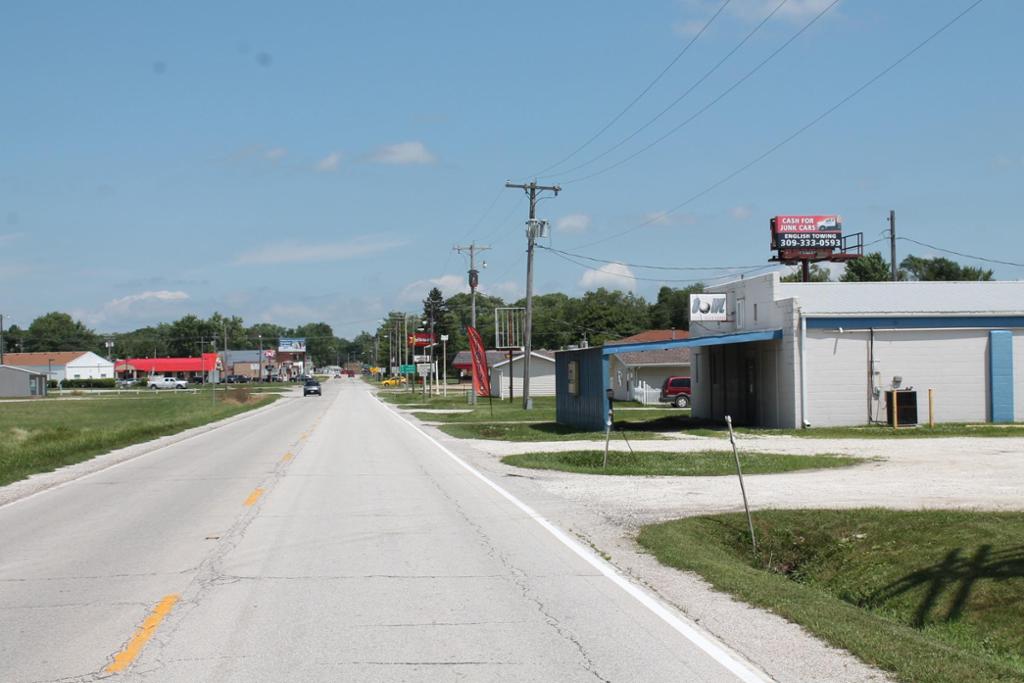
x=287, y=456
x=253, y=497
x=124, y=658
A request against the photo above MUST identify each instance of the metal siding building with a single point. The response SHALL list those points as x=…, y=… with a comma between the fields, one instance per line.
x=18, y=382
x=587, y=407
x=843, y=345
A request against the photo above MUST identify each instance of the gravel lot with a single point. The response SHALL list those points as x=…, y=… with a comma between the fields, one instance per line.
x=606, y=512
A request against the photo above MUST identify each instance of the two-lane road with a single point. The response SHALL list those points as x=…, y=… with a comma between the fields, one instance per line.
x=323, y=540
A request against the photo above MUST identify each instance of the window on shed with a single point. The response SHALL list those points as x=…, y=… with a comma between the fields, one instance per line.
x=741, y=304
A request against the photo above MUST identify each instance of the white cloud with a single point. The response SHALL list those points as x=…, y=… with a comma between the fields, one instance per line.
x=510, y=290
x=609, y=276
x=310, y=253
x=275, y=153
x=749, y=11
x=128, y=307
x=448, y=284
x=328, y=163
x=741, y=213
x=10, y=237
x=403, y=154
x=574, y=222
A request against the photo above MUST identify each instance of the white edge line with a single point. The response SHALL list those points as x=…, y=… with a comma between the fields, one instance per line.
x=211, y=427
x=716, y=650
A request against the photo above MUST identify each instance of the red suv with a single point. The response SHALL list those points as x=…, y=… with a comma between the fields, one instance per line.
x=676, y=390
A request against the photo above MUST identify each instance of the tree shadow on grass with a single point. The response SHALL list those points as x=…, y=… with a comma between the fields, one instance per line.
x=956, y=572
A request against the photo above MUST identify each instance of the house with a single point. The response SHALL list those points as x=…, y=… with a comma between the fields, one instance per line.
x=542, y=375
x=206, y=368
x=638, y=375
x=829, y=353
x=463, y=362
x=62, y=365
x=19, y=382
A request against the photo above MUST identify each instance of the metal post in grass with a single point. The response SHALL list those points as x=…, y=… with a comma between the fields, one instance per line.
x=743, y=489
x=607, y=437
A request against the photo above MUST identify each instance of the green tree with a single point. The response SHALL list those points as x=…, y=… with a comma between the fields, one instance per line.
x=230, y=329
x=13, y=339
x=57, y=331
x=145, y=342
x=672, y=309
x=555, y=320
x=869, y=268
x=605, y=315
x=818, y=274
x=321, y=344
x=940, y=268
x=190, y=335
x=268, y=333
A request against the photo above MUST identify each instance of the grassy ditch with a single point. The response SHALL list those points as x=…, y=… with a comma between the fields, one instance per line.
x=933, y=596
x=660, y=463
x=40, y=436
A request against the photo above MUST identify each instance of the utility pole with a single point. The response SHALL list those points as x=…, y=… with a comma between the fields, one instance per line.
x=474, y=280
x=2, y=340
x=533, y=227
x=892, y=244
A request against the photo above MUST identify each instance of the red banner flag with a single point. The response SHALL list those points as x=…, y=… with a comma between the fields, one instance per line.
x=481, y=379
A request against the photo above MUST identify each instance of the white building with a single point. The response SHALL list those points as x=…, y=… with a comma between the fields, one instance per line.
x=61, y=365
x=542, y=375
x=822, y=354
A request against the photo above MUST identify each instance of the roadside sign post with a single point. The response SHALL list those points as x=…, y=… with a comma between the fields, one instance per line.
x=444, y=359
x=743, y=489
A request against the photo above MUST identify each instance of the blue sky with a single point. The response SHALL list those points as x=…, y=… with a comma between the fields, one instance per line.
x=302, y=162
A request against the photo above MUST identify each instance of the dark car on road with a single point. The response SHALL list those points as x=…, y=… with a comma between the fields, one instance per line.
x=311, y=387
x=677, y=391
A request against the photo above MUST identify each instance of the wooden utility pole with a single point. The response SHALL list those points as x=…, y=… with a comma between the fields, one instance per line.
x=532, y=230
x=892, y=245
x=474, y=279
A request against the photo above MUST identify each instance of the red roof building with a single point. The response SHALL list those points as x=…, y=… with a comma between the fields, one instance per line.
x=208, y=362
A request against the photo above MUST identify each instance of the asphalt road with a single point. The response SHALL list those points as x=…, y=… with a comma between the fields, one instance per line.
x=324, y=540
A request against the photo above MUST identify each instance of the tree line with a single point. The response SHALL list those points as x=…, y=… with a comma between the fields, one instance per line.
x=187, y=336
x=559, y=320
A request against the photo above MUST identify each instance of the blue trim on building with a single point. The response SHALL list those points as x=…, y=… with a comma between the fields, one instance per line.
x=915, y=322
x=1000, y=375
x=735, y=338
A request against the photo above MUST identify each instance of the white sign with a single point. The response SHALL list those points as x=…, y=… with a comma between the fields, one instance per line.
x=423, y=369
x=291, y=345
x=421, y=358
x=708, y=307
x=444, y=337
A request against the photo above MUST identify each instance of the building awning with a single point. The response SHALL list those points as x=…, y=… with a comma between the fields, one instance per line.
x=205, y=363
x=717, y=340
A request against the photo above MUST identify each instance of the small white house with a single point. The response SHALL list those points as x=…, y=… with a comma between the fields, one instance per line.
x=542, y=375
x=638, y=375
x=61, y=365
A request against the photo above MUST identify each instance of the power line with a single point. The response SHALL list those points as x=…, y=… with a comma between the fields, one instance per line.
x=658, y=279
x=689, y=90
x=710, y=104
x=640, y=265
x=961, y=254
x=792, y=136
x=643, y=92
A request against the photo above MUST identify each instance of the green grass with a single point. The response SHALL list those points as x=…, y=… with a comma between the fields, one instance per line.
x=660, y=463
x=40, y=436
x=702, y=427
x=537, y=431
x=933, y=596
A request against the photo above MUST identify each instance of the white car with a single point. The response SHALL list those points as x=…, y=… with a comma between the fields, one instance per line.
x=166, y=383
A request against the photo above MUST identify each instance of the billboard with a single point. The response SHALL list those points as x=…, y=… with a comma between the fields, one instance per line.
x=421, y=339
x=297, y=345
x=807, y=233
x=708, y=307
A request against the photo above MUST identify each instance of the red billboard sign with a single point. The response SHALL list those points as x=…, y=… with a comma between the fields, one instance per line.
x=806, y=237
x=421, y=339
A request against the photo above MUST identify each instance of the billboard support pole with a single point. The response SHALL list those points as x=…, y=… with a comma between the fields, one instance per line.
x=805, y=267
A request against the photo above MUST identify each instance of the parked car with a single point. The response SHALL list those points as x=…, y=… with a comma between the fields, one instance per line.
x=311, y=387
x=393, y=381
x=677, y=391
x=126, y=383
x=166, y=383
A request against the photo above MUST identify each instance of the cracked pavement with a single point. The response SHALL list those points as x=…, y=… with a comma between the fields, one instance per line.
x=370, y=555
